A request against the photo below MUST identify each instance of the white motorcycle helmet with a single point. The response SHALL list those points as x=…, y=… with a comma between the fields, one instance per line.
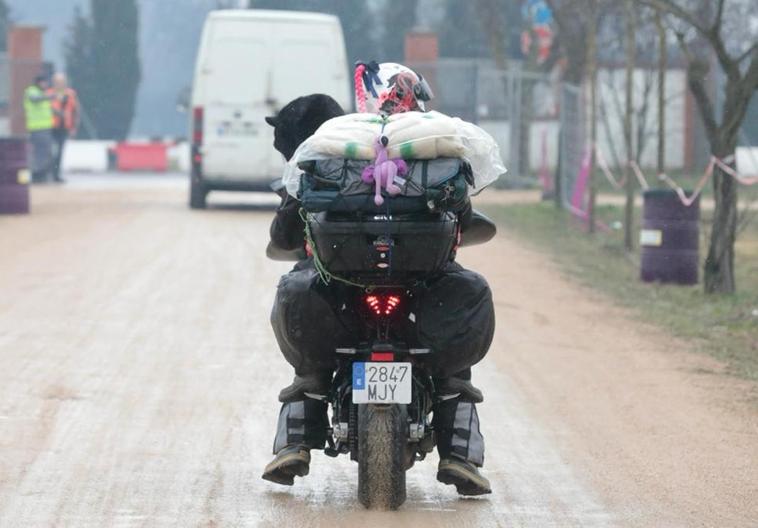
x=389, y=88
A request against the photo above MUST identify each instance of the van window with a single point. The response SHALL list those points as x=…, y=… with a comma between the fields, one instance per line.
x=235, y=67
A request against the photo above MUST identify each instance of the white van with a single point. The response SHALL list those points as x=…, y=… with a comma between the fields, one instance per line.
x=249, y=65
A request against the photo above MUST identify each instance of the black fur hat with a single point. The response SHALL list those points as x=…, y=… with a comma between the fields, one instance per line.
x=299, y=119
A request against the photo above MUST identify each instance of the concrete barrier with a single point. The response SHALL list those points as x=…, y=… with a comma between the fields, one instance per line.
x=179, y=157
x=92, y=156
x=86, y=155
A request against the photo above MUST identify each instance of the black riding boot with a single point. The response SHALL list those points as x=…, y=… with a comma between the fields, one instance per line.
x=302, y=426
x=460, y=445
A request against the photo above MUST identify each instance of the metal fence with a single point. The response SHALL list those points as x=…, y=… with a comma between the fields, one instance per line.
x=540, y=123
x=526, y=113
x=463, y=88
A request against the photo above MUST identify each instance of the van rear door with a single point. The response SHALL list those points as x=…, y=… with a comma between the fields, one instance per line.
x=236, y=144
x=249, y=68
x=309, y=59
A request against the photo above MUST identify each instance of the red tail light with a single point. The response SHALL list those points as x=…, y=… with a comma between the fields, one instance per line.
x=393, y=301
x=382, y=305
x=197, y=125
x=382, y=356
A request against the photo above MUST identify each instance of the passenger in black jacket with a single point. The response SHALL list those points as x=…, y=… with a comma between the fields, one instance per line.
x=295, y=123
x=307, y=323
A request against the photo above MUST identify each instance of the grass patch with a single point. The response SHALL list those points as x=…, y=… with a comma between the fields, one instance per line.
x=725, y=326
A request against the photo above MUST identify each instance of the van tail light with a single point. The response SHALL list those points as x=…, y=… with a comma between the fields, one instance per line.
x=382, y=305
x=197, y=125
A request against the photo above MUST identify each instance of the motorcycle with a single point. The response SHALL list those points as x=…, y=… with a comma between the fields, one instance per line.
x=382, y=392
x=381, y=398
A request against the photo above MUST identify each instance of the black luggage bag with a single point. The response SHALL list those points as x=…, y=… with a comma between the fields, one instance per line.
x=411, y=235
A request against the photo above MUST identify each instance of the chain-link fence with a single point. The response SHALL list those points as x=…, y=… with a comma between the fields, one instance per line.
x=522, y=110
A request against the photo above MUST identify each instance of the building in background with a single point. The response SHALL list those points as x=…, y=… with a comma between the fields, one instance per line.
x=18, y=68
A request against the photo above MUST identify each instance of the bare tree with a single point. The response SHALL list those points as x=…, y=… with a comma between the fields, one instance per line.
x=645, y=130
x=591, y=66
x=722, y=124
x=611, y=109
x=640, y=29
x=572, y=22
x=577, y=23
x=631, y=49
x=489, y=12
x=662, y=65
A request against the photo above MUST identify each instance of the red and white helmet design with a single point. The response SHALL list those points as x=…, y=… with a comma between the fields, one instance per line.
x=389, y=88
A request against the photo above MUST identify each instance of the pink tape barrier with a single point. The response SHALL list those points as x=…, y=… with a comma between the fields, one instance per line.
x=714, y=161
x=620, y=183
x=606, y=170
x=686, y=200
x=580, y=187
x=744, y=180
x=577, y=206
x=638, y=174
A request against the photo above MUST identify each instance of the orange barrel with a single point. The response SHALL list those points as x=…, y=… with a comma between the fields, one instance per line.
x=14, y=176
x=670, y=238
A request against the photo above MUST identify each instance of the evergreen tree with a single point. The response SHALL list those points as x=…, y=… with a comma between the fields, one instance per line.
x=116, y=61
x=103, y=63
x=77, y=53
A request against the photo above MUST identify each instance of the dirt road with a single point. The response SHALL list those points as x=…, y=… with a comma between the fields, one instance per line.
x=138, y=382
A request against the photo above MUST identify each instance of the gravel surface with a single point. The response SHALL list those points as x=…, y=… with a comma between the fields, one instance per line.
x=139, y=374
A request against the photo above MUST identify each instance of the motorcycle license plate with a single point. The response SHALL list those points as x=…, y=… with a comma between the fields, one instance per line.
x=383, y=382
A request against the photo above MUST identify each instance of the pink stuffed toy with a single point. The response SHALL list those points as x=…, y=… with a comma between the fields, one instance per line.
x=384, y=172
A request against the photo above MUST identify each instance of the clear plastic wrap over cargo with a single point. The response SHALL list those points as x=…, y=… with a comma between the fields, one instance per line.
x=411, y=136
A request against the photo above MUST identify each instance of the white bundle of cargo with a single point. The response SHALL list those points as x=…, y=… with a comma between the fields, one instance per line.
x=410, y=135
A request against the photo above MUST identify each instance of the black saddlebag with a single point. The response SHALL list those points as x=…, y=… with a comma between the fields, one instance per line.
x=454, y=317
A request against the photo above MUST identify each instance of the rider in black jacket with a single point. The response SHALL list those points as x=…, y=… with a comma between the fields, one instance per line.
x=306, y=325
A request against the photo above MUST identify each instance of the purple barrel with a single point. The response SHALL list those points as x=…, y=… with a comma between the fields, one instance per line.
x=670, y=238
x=14, y=176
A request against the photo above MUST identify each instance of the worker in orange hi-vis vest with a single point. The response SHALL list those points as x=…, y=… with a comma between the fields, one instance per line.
x=66, y=118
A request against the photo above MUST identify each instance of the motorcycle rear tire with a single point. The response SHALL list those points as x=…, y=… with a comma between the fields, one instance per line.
x=382, y=440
